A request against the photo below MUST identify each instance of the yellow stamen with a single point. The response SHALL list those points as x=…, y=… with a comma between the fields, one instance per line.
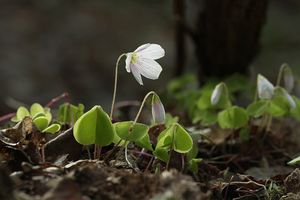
x=134, y=58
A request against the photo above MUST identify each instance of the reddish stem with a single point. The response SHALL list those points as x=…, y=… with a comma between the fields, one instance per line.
x=53, y=101
x=142, y=153
x=149, y=164
x=6, y=117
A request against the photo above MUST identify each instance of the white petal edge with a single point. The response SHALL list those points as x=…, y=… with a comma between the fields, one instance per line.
x=136, y=73
x=149, y=68
x=288, y=82
x=140, y=48
x=127, y=62
x=151, y=51
x=158, y=112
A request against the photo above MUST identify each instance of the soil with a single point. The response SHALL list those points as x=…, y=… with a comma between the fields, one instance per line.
x=231, y=168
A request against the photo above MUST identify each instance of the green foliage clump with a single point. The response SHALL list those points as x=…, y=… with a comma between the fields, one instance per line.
x=69, y=113
x=41, y=117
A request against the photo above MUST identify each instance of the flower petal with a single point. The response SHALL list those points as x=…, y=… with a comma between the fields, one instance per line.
x=158, y=110
x=136, y=73
x=216, y=94
x=265, y=89
x=150, y=51
x=127, y=61
x=288, y=78
x=142, y=47
x=149, y=68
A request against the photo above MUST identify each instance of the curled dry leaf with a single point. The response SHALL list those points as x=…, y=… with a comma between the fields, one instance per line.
x=13, y=136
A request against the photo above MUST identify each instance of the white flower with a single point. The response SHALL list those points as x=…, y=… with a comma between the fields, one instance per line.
x=142, y=62
x=265, y=89
x=288, y=78
x=158, y=110
x=216, y=94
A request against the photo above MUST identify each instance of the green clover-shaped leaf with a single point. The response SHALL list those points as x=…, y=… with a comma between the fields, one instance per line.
x=94, y=127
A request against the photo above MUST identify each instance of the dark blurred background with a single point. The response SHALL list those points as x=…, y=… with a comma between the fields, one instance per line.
x=48, y=47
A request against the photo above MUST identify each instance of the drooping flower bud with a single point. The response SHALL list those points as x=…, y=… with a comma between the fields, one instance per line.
x=158, y=110
x=265, y=89
x=288, y=78
x=216, y=94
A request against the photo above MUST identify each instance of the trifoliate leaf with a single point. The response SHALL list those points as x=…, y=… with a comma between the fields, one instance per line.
x=41, y=123
x=175, y=137
x=127, y=130
x=94, y=127
x=233, y=117
x=145, y=142
x=183, y=142
x=53, y=128
x=35, y=110
x=22, y=112
x=279, y=106
x=257, y=108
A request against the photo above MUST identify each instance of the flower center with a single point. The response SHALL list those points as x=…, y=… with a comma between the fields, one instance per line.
x=134, y=58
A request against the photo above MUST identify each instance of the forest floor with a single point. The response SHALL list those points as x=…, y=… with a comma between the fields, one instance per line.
x=231, y=169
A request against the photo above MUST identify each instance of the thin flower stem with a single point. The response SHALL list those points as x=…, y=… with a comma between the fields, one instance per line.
x=264, y=123
x=269, y=123
x=53, y=101
x=279, y=77
x=112, y=151
x=142, y=106
x=115, y=86
x=6, y=117
x=99, y=152
x=142, y=153
x=149, y=164
x=227, y=95
x=256, y=95
x=168, y=163
x=126, y=158
x=88, y=151
x=171, y=149
x=43, y=154
x=96, y=147
x=134, y=122
x=139, y=112
x=280, y=74
x=182, y=163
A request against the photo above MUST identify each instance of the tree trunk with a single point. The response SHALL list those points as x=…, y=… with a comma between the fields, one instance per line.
x=227, y=37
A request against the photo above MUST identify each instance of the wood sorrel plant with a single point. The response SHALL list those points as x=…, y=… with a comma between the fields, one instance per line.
x=131, y=131
x=232, y=117
x=69, y=113
x=139, y=62
x=95, y=127
x=273, y=101
x=40, y=116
